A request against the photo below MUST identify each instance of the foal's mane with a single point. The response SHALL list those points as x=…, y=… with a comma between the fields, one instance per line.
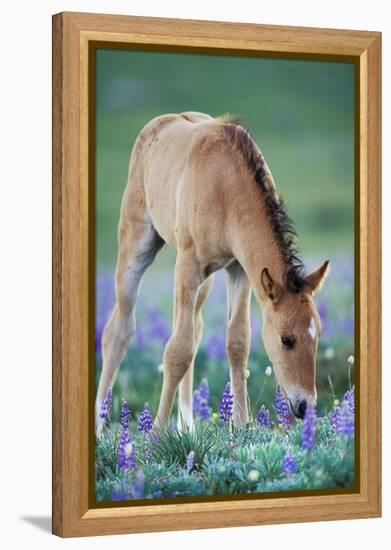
x=282, y=224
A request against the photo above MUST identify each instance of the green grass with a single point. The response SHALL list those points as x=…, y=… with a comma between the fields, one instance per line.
x=228, y=461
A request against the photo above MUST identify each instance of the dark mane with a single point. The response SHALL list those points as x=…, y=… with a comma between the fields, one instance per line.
x=282, y=224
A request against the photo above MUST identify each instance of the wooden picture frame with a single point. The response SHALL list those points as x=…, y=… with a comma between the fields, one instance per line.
x=74, y=37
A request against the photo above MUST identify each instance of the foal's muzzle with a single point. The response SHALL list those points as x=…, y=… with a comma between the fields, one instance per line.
x=299, y=408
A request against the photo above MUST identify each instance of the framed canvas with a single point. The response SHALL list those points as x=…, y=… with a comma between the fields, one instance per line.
x=182, y=151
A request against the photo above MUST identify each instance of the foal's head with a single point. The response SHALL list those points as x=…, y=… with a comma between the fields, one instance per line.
x=291, y=328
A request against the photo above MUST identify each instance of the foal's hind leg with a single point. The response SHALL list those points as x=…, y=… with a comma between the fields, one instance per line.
x=185, y=394
x=238, y=338
x=138, y=246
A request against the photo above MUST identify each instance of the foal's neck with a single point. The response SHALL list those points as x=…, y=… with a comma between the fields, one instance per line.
x=255, y=246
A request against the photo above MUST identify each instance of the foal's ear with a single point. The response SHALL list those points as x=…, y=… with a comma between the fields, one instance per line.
x=272, y=289
x=316, y=279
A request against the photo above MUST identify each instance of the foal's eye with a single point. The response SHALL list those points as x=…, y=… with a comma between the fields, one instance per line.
x=287, y=342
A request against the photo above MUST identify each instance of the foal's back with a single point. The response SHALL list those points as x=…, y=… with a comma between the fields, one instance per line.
x=187, y=165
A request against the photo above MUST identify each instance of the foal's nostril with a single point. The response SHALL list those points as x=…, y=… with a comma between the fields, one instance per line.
x=301, y=409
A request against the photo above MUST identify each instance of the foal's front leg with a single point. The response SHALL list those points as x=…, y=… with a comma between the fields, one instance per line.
x=185, y=394
x=180, y=348
x=238, y=338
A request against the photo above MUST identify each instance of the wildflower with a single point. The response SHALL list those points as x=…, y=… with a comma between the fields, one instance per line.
x=334, y=417
x=160, y=368
x=264, y=417
x=226, y=405
x=308, y=430
x=253, y=476
x=124, y=415
x=289, y=463
x=204, y=411
x=190, y=461
x=349, y=398
x=200, y=401
x=282, y=409
x=350, y=359
x=145, y=421
x=126, y=457
x=105, y=408
x=204, y=389
x=247, y=374
x=268, y=371
x=346, y=421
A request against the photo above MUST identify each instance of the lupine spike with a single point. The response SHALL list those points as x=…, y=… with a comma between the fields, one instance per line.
x=289, y=465
x=264, y=417
x=201, y=401
x=334, y=417
x=282, y=409
x=124, y=415
x=145, y=423
x=105, y=408
x=126, y=457
x=346, y=421
x=190, y=461
x=349, y=398
x=308, y=430
x=204, y=389
x=226, y=405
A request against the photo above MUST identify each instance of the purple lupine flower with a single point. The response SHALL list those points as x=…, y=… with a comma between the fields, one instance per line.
x=204, y=389
x=226, y=405
x=200, y=401
x=349, y=398
x=282, y=409
x=124, y=415
x=334, y=417
x=196, y=402
x=289, y=463
x=204, y=410
x=264, y=417
x=126, y=457
x=308, y=429
x=105, y=408
x=346, y=421
x=145, y=423
x=190, y=461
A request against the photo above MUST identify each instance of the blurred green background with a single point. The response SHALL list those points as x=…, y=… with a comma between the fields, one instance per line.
x=301, y=114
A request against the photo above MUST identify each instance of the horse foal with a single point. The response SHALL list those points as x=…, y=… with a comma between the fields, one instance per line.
x=202, y=186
